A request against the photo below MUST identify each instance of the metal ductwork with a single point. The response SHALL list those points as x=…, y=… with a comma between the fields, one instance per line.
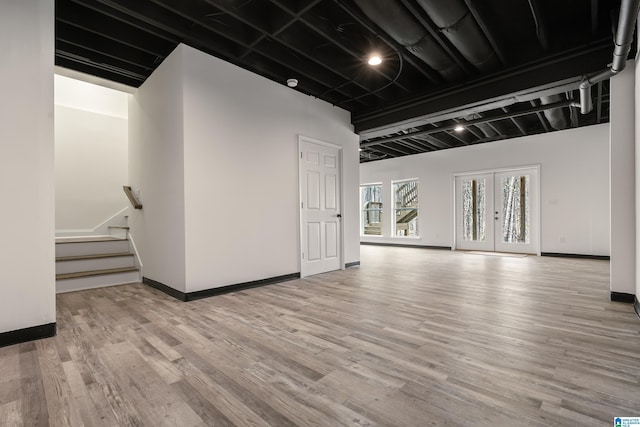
x=541, y=29
x=456, y=22
x=622, y=40
x=555, y=116
x=396, y=21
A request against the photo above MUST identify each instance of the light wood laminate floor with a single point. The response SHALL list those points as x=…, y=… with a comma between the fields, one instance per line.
x=413, y=337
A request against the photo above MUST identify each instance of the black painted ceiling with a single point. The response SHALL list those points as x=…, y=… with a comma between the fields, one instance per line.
x=492, y=65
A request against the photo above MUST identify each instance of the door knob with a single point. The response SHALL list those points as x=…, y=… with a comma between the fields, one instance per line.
x=339, y=215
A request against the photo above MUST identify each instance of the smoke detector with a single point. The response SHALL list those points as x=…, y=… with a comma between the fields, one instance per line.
x=292, y=82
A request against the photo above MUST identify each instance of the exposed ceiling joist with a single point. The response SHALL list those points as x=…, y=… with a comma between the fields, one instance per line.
x=431, y=131
x=501, y=59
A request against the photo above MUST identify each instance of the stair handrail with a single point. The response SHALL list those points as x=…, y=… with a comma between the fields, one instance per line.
x=408, y=193
x=132, y=197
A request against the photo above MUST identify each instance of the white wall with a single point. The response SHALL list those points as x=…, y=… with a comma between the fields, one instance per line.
x=233, y=208
x=622, y=169
x=574, y=186
x=637, y=172
x=156, y=171
x=82, y=95
x=241, y=172
x=26, y=164
x=91, y=166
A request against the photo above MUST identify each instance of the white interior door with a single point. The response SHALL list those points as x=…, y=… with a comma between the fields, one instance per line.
x=320, y=214
x=498, y=211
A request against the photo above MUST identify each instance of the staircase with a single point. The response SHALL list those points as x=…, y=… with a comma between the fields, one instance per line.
x=94, y=262
x=406, y=216
x=373, y=230
x=406, y=204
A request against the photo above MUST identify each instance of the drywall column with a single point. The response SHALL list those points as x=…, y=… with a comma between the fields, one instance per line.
x=156, y=173
x=637, y=173
x=27, y=287
x=622, y=182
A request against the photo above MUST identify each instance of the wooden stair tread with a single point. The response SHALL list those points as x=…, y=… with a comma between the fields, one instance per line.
x=88, y=239
x=95, y=273
x=97, y=256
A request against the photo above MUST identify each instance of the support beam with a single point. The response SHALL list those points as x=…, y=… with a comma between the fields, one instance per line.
x=566, y=65
x=532, y=110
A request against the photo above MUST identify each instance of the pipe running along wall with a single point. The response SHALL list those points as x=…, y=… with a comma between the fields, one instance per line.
x=622, y=41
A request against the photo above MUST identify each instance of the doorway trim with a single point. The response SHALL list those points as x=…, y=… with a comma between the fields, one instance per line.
x=306, y=139
x=538, y=208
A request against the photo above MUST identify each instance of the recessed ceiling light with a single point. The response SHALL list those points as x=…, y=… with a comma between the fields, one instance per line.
x=375, y=60
x=292, y=82
x=459, y=128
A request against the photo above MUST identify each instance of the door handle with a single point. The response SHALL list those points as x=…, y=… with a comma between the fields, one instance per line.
x=339, y=215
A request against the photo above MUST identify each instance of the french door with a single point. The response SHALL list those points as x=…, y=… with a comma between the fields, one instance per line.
x=498, y=211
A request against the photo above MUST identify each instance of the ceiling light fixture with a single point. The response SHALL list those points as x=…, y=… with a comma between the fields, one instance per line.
x=375, y=60
x=292, y=82
x=459, y=128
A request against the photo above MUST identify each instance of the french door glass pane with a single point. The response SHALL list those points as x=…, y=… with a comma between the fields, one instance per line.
x=372, y=209
x=515, y=209
x=474, y=212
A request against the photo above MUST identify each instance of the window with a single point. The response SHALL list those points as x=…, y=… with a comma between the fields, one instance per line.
x=405, y=209
x=371, y=196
